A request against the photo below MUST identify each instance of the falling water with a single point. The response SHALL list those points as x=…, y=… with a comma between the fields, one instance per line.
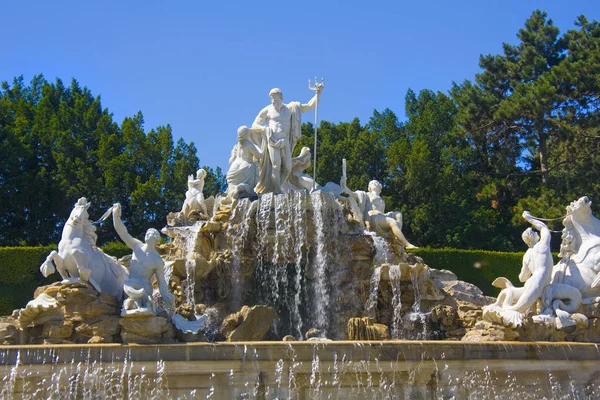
x=415, y=324
x=382, y=249
x=371, y=306
x=320, y=262
x=189, y=235
x=237, y=232
x=268, y=284
x=395, y=275
x=299, y=229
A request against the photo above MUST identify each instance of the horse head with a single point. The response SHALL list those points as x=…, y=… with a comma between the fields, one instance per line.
x=79, y=214
x=581, y=208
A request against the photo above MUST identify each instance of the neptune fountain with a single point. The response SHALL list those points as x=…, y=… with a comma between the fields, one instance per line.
x=285, y=288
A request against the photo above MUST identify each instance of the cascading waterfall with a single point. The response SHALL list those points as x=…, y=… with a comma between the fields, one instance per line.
x=382, y=249
x=300, y=236
x=416, y=325
x=371, y=306
x=327, y=249
x=237, y=232
x=266, y=279
x=320, y=287
x=190, y=262
x=395, y=275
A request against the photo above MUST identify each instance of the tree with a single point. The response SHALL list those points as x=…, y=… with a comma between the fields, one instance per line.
x=60, y=144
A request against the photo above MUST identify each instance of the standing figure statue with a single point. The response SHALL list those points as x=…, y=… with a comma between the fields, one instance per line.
x=194, y=198
x=372, y=212
x=282, y=131
x=145, y=263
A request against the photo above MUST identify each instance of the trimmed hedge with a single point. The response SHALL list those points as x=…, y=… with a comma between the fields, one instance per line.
x=478, y=267
x=20, y=274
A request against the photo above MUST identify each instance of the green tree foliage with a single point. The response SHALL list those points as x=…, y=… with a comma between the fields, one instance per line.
x=531, y=118
x=59, y=144
x=464, y=164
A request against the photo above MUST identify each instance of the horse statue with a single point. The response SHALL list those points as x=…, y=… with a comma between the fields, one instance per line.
x=580, y=251
x=78, y=258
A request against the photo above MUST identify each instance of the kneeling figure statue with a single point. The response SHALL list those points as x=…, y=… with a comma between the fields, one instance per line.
x=145, y=263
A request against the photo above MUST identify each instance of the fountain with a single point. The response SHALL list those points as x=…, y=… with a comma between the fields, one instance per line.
x=283, y=288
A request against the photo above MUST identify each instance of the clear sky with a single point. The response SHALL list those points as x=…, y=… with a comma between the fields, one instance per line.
x=206, y=67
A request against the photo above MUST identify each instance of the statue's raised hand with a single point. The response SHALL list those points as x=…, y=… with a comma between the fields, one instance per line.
x=117, y=209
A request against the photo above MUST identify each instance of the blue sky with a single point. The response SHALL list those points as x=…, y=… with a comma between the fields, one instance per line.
x=207, y=68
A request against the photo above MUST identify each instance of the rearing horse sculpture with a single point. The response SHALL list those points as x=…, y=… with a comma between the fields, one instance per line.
x=78, y=258
x=580, y=251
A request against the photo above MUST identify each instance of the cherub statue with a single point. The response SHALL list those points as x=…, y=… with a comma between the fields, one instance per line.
x=194, y=198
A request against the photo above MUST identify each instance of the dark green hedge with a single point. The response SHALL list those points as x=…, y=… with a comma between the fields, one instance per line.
x=476, y=266
x=20, y=274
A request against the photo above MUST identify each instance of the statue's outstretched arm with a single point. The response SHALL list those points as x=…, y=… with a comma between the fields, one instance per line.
x=129, y=240
x=312, y=103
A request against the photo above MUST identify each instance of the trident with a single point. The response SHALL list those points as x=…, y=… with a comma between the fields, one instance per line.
x=316, y=88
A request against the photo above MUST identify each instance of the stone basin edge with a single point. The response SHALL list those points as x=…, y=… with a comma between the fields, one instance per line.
x=392, y=350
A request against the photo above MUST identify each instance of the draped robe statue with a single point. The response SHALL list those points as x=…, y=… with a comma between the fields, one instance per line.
x=281, y=133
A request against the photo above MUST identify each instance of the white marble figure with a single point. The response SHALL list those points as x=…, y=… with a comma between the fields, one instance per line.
x=536, y=272
x=194, y=198
x=580, y=251
x=281, y=133
x=243, y=165
x=78, y=258
x=372, y=212
x=298, y=180
x=145, y=263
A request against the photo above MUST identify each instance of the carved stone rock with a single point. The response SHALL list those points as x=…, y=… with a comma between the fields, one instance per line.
x=249, y=324
x=366, y=329
x=58, y=329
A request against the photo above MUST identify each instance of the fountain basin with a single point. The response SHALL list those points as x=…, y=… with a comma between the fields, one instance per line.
x=303, y=370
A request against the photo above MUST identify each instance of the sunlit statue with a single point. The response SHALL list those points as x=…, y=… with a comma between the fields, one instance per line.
x=281, y=133
x=78, y=258
x=145, y=263
x=243, y=165
x=194, y=198
x=558, y=300
x=371, y=208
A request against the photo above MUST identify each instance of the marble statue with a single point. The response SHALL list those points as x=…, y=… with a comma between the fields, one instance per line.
x=78, y=258
x=371, y=211
x=580, y=251
x=194, y=198
x=557, y=299
x=281, y=133
x=145, y=264
x=298, y=180
x=243, y=165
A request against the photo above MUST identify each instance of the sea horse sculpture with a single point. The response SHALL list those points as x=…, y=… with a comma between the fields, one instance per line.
x=580, y=251
x=78, y=258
